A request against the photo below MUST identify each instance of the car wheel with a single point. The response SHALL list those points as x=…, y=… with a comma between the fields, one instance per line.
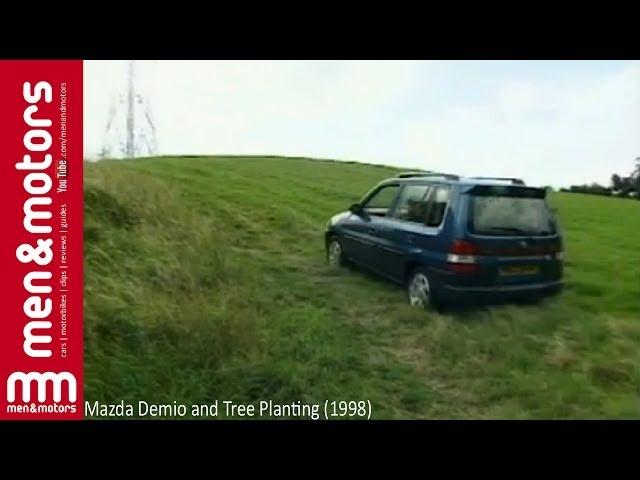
x=420, y=290
x=335, y=256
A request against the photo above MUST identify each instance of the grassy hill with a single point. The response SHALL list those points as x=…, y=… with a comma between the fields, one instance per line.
x=205, y=278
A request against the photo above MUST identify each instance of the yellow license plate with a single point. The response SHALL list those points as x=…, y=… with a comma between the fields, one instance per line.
x=520, y=270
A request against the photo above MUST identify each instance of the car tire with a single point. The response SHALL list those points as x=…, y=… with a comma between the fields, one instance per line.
x=335, y=253
x=421, y=290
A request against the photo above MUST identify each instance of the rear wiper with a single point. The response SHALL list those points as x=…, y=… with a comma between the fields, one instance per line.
x=510, y=230
x=520, y=231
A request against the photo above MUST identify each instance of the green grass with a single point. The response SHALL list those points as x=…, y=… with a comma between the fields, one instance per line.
x=205, y=278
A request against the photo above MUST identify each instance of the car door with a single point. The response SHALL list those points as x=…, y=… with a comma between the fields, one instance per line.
x=426, y=236
x=360, y=229
x=393, y=233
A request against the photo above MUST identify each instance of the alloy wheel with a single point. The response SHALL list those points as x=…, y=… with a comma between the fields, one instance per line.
x=334, y=253
x=419, y=290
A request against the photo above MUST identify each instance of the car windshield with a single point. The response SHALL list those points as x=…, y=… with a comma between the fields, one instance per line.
x=504, y=215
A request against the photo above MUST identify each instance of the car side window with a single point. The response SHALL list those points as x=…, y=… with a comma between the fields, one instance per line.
x=437, y=206
x=381, y=201
x=412, y=205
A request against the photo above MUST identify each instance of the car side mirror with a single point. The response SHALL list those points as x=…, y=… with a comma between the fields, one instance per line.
x=356, y=208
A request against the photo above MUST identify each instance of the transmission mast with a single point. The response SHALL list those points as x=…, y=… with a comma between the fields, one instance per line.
x=131, y=112
x=130, y=129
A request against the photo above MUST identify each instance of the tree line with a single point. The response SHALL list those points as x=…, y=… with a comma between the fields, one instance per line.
x=620, y=185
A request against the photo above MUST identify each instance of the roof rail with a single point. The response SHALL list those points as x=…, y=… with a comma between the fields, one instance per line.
x=427, y=174
x=515, y=181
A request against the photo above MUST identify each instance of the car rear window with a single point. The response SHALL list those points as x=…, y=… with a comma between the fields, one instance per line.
x=508, y=215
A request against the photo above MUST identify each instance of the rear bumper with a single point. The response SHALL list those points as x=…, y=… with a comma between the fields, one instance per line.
x=502, y=292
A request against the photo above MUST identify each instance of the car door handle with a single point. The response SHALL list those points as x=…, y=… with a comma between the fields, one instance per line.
x=411, y=238
x=373, y=230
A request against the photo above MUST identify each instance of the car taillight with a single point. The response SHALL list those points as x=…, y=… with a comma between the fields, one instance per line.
x=560, y=255
x=463, y=257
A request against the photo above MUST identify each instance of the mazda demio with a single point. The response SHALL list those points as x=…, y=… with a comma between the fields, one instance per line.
x=450, y=239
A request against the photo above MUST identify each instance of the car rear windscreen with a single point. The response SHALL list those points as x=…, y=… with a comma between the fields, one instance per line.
x=508, y=215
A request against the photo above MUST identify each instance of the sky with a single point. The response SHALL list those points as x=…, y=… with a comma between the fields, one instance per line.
x=549, y=122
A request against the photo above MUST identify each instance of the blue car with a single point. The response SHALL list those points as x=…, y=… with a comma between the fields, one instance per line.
x=449, y=239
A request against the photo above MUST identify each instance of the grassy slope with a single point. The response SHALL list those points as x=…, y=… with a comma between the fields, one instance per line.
x=205, y=279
